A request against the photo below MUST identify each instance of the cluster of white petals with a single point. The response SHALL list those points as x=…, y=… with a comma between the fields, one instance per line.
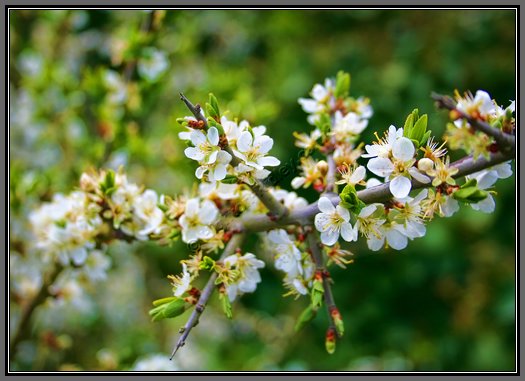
x=393, y=159
x=248, y=276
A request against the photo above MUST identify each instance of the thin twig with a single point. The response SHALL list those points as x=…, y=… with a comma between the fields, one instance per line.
x=234, y=243
x=277, y=209
x=506, y=142
x=317, y=256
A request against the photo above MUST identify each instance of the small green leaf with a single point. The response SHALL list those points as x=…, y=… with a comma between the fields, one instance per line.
x=162, y=301
x=306, y=316
x=230, y=179
x=349, y=199
x=342, y=85
x=207, y=263
x=213, y=123
x=226, y=305
x=214, y=105
x=108, y=184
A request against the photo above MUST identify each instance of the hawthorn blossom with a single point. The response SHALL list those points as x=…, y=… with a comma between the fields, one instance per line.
x=390, y=232
x=289, y=199
x=206, y=147
x=321, y=100
x=181, y=283
x=383, y=147
x=411, y=215
x=368, y=223
x=332, y=222
x=306, y=141
x=196, y=220
x=146, y=211
x=398, y=167
x=248, y=274
x=486, y=179
x=217, y=170
x=347, y=126
x=442, y=172
x=287, y=255
x=352, y=176
x=251, y=149
x=480, y=105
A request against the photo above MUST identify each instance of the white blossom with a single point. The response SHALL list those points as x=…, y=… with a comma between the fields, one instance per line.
x=398, y=167
x=347, y=126
x=247, y=266
x=486, y=179
x=287, y=255
x=332, y=222
x=196, y=220
x=251, y=149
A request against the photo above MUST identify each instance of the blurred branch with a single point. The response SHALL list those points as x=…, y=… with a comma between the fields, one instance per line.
x=234, y=243
x=506, y=142
x=23, y=329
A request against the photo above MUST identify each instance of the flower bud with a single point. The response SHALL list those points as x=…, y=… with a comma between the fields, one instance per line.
x=338, y=321
x=330, y=340
x=317, y=292
x=322, y=166
x=425, y=164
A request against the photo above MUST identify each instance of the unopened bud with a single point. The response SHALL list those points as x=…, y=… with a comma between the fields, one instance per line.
x=425, y=164
x=322, y=166
x=330, y=340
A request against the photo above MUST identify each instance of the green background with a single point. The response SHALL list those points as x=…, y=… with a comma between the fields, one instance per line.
x=446, y=303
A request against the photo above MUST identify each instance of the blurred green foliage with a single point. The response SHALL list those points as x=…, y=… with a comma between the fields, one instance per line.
x=447, y=302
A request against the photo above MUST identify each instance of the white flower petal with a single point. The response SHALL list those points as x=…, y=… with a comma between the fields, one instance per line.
x=400, y=186
x=329, y=237
x=194, y=153
x=343, y=212
x=418, y=175
x=396, y=240
x=208, y=212
x=197, y=137
x=403, y=149
x=380, y=166
x=264, y=144
x=244, y=143
x=375, y=243
x=367, y=211
x=325, y=205
x=322, y=221
x=213, y=136
x=268, y=161
x=486, y=206
x=348, y=233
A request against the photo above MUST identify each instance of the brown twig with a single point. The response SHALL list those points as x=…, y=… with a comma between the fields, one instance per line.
x=506, y=142
x=234, y=243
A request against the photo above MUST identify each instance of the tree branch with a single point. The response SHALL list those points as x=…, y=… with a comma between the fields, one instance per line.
x=506, y=142
x=234, y=243
x=317, y=256
x=379, y=193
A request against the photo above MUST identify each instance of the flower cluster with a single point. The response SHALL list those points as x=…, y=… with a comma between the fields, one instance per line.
x=211, y=149
x=481, y=107
x=298, y=267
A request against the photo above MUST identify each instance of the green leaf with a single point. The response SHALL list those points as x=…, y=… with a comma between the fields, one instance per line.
x=470, y=193
x=420, y=128
x=349, y=199
x=306, y=316
x=162, y=301
x=226, y=305
x=230, y=179
x=342, y=85
x=324, y=124
x=213, y=123
x=207, y=263
x=214, y=106
x=108, y=184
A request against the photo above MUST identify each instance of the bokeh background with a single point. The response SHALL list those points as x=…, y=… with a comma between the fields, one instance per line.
x=82, y=95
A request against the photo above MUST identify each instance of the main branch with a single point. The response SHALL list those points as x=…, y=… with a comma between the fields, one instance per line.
x=379, y=193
